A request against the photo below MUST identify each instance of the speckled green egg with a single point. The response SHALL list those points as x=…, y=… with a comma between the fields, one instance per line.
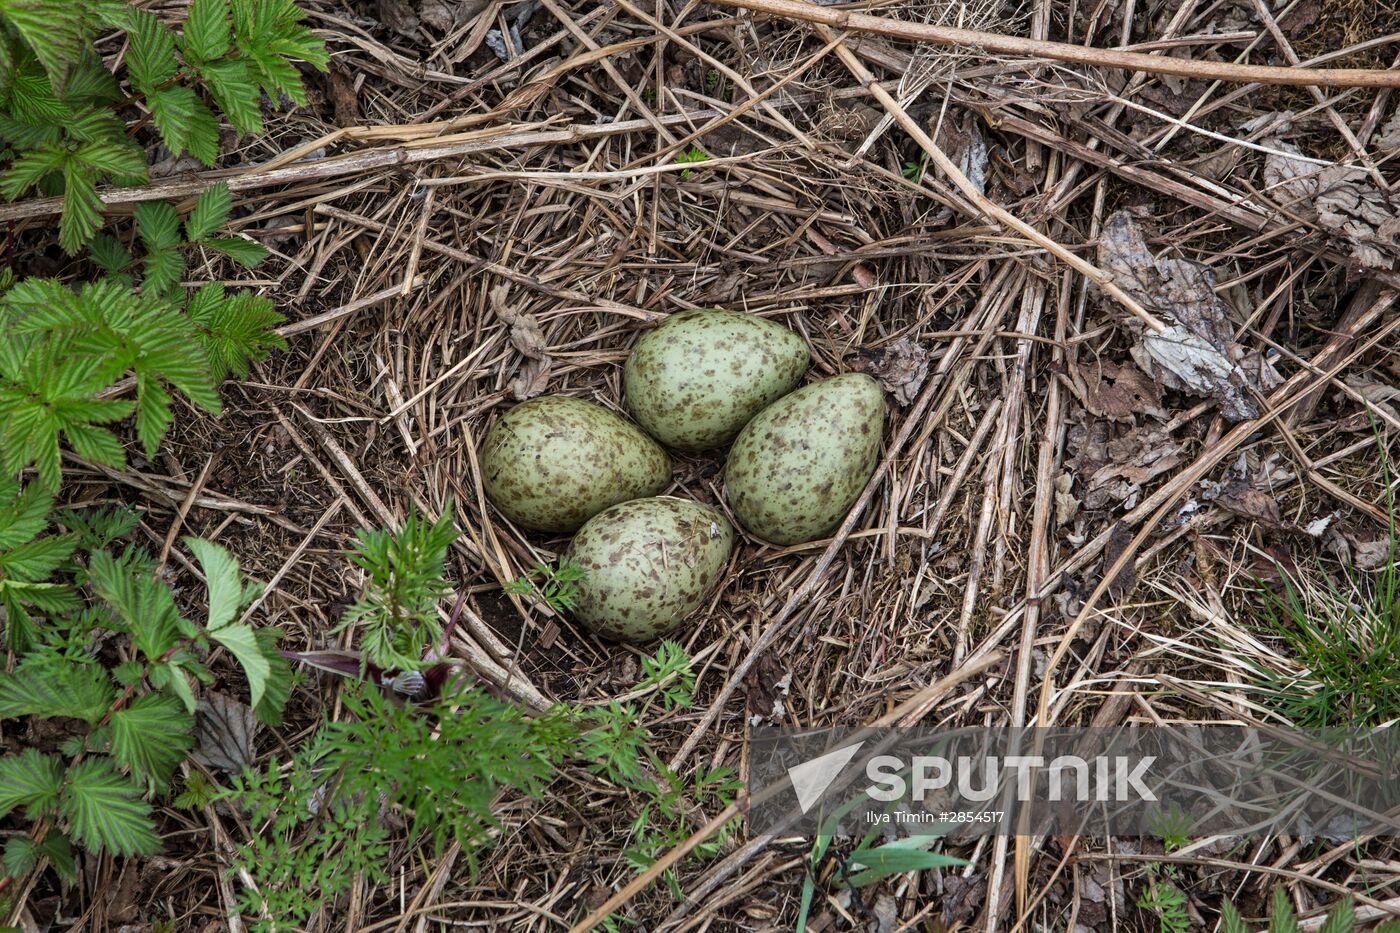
x=647, y=565
x=552, y=463
x=696, y=379
x=800, y=464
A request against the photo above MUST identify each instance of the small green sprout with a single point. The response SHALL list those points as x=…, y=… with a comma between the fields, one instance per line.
x=556, y=585
x=690, y=156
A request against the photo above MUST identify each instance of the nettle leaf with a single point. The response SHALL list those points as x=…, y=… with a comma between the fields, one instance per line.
x=21, y=856
x=158, y=225
x=206, y=35
x=209, y=214
x=31, y=780
x=54, y=29
x=104, y=810
x=151, y=735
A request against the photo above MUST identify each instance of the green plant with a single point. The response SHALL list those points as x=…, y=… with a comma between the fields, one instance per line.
x=397, y=613
x=1282, y=919
x=914, y=170
x=691, y=156
x=557, y=584
x=74, y=611
x=441, y=767
x=1164, y=899
x=60, y=108
x=1343, y=637
x=670, y=674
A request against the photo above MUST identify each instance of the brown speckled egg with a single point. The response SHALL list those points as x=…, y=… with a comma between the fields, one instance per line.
x=696, y=379
x=647, y=565
x=552, y=463
x=800, y=464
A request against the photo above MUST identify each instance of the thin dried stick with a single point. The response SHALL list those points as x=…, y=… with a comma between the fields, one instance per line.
x=984, y=204
x=1064, y=52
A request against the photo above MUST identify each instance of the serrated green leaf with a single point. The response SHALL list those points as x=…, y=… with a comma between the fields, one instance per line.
x=58, y=849
x=108, y=254
x=242, y=643
x=125, y=159
x=78, y=691
x=162, y=270
x=1342, y=918
x=25, y=515
x=1282, y=919
x=46, y=597
x=29, y=168
x=54, y=29
x=94, y=444
x=21, y=856
x=20, y=630
x=247, y=253
x=151, y=61
x=1230, y=919
x=209, y=214
x=236, y=91
x=82, y=209
x=172, y=111
x=227, y=594
x=153, y=415
x=180, y=684
x=104, y=810
x=202, y=142
x=206, y=35
x=151, y=735
x=234, y=329
x=158, y=225
x=143, y=603
x=34, y=560
x=31, y=780
x=279, y=681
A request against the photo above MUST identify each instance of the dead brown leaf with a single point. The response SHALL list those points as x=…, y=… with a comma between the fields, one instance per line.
x=527, y=337
x=1114, y=460
x=1366, y=549
x=1119, y=392
x=224, y=731
x=1197, y=353
x=1125, y=581
x=1343, y=200
x=901, y=367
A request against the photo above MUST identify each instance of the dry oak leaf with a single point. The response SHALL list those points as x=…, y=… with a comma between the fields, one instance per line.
x=1197, y=352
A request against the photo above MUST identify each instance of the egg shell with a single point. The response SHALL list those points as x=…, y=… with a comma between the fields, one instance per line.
x=798, y=467
x=696, y=379
x=553, y=462
x=647, y=565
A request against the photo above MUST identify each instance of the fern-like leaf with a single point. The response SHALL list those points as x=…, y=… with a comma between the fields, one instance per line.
x=56, y=30
x=236, y=330
x=209, y=214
